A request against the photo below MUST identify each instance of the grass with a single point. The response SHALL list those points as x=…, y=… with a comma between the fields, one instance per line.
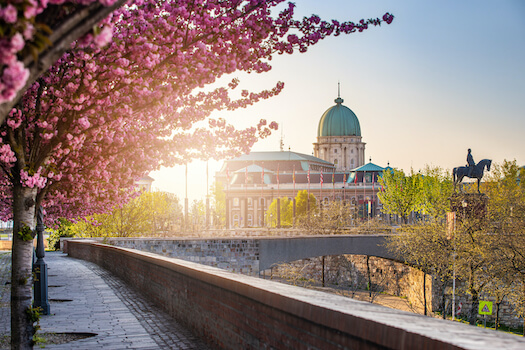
x=491, y=325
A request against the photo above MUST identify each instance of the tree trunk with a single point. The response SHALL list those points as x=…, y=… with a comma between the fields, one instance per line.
x=369, y=275
x=425, y=292
x=496, y=326
x=442, y=302
x=443, y=305
x=473, y=315
x=22, y=329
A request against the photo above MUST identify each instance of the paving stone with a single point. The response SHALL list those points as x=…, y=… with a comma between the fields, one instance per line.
x=102, y=304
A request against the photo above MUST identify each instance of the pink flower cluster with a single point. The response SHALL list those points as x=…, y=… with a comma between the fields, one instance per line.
x=32, y=181
x=7, y=156
x=14, y=74
x=18, y=28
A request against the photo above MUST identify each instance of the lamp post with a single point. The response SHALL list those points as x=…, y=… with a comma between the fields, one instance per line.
x=186, y=222
x=40, y=268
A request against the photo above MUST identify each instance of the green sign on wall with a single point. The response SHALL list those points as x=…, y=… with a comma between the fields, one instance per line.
x=485, y=308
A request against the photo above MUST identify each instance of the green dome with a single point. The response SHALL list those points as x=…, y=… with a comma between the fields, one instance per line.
x=339, y=120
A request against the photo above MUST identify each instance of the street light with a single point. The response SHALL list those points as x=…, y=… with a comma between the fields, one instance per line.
x=40, y=268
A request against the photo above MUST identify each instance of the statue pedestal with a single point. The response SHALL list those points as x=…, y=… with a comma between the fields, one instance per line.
x=469, y=205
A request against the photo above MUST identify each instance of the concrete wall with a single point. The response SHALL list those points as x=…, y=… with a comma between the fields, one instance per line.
x=232, y=311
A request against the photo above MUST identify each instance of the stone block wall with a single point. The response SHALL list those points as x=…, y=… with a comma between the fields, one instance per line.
x=232, y=254
x=350, y=272
x=507, y=312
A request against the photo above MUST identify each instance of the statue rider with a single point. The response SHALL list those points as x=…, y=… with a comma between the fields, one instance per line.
x=471, y=164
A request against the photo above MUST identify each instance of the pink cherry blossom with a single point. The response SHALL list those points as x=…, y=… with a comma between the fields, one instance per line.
x=9, y=14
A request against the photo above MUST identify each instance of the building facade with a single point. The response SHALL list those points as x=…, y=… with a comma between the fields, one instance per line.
x=336, y=172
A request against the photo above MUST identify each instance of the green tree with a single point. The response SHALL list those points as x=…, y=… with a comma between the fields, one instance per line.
x=330, y=219
x=401, y=194
x=197, y=215
x=429, y=248
x=435, y=190
x=150, y=214
x=301, y=203
x=64, y=228
x=286, y=212
x=488, y=241
x=473, y=254
x=219, y=204
x=505, y=186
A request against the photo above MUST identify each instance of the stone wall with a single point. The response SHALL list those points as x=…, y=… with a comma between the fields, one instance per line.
x=233, y=311
x=350, y=272
x=507, y=308
x=235, y=255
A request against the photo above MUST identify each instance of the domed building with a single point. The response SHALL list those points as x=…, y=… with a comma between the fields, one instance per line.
x=339, y=138
x=335, y=172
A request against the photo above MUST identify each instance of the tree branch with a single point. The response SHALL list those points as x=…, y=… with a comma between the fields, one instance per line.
x=79, y=23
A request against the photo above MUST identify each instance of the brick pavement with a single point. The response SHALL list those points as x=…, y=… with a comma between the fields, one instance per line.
x=102, y=304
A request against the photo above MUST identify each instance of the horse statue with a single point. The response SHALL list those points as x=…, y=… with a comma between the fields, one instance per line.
x=477, y=173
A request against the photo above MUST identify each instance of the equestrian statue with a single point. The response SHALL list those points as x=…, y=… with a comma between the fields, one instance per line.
x=472, y=170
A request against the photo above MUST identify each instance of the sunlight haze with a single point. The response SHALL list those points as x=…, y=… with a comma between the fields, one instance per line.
x=443, y=77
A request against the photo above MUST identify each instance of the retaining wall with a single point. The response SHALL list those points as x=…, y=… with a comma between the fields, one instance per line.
x=232, y=254
x=233, y=311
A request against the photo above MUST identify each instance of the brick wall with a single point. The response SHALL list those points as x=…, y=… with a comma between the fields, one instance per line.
x=232, y=311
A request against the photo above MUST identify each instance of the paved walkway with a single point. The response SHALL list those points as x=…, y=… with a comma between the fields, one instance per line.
x=85, y=298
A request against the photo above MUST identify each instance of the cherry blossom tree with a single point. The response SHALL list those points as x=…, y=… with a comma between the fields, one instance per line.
x=102, y=117
x=34, y=34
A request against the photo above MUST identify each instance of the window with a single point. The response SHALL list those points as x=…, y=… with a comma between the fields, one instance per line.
x=236, y=202
x=236, y=220
x=335, y=150
x=250, y=202
x=250, y=220
x=262, y=202
x=336, y=161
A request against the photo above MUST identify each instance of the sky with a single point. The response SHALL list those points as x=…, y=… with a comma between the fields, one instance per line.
x=445, y=76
